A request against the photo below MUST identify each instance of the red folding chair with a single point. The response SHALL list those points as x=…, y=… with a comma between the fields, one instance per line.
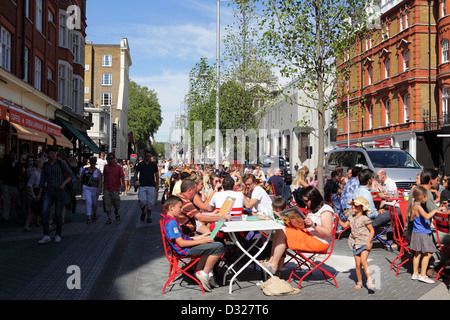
x=398, y=225
x=178, y=265
x=441, y=224
x=303, y=260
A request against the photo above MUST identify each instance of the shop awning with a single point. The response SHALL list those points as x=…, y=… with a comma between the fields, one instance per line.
x=63, y=142
x=28, y=134
x=80, y=136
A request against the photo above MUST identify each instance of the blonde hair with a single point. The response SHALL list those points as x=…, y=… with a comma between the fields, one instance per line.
x=417, y=194
x=300, y=177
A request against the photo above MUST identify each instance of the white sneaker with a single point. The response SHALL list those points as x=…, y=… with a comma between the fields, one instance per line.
x=415, y=277
x=425, y=279
x=44, y=240
x=204, y=281
x=57, y=239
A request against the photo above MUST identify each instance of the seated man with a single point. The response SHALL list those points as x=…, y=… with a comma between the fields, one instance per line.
x=256, y=198
x=331, y=186
x=219, y=198
x=277, y=181
x=388, y=185
x=191, y=220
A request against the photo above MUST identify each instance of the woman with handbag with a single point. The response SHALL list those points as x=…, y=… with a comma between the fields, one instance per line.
x=91, y=178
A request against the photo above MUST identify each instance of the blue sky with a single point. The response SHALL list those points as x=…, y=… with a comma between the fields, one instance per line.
x=166, y=38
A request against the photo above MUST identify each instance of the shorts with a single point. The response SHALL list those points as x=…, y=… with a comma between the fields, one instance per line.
x=357, y=251
x=302, y=240
x=111, y=198
x=208, y=249
x=147, y=197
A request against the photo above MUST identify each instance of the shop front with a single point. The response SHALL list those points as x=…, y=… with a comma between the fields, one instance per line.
x=27, y=133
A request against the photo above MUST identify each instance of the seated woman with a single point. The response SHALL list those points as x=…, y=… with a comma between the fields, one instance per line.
x=315, y=237
x=200, y=200
x=299, y=181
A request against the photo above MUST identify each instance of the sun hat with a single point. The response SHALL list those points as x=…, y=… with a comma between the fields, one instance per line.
x=361, y=202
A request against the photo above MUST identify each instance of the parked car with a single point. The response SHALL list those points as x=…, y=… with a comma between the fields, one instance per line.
x=266, y=162
x=398, y=164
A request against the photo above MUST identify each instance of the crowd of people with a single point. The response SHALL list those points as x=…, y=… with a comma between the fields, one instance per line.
x=193, y=196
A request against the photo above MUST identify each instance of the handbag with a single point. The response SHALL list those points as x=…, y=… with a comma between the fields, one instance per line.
x=275, y=286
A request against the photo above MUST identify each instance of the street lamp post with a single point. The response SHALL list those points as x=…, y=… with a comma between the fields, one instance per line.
x=217, y=84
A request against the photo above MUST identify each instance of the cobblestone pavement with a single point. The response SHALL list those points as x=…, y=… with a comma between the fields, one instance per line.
x=125, y=261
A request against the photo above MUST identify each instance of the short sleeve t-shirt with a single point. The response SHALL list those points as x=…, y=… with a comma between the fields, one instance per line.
x=264, y=203
x=172, y=232
x=359, y=232
x=146, y=173
x=278, y=184
x=219, y=198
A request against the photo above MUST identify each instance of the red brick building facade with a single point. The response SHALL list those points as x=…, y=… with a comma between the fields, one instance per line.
x=399, y=95
x=42, y=70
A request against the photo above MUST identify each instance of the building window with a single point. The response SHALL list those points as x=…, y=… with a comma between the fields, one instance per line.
x=406, y=107
x=387, y=68
x=5, y=50
x=445, y=51
x=443, y=8
x=406, y=60
x=107, y=60
x=401, y=21
x=106, y=79
x=387, y=106
x=75, y=94
x=102, y=124
x=370, y=74
x=49, y=74
x=27, y=8
x=445, y=104
x=50, y=17
x=26, y=64
x=61, y=83
x=76, y=48
x=106, y=99
x=38, y=74
x=62, y=30
x=39, y=15
x=406, y=19
x=370, y=110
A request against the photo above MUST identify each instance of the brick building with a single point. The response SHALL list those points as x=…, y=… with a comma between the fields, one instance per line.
x=42, y=76
x=399, y=95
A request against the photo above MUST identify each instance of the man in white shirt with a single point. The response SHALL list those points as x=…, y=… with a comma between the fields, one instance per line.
x=389, y=186
x=101, y=162
x=218, y=198
x=257, y=198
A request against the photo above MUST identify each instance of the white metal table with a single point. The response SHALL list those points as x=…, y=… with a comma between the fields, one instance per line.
x=233, y=227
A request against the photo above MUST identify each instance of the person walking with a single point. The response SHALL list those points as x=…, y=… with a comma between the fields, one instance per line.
x=113, y=179
x=90, y=184
x=11, y=175
x=55, y=175
x=148, y=185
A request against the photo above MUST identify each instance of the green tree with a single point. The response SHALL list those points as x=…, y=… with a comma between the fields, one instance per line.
x=305, y=39
x=144, y=115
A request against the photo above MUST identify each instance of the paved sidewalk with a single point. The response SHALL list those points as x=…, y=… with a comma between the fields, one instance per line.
x=125, y=261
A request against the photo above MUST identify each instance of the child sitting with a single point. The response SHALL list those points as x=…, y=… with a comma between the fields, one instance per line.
x=360, y=239
x=201, y=245
x=278, y=205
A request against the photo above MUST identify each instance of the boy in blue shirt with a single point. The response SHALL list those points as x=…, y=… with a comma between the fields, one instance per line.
x=201, y=245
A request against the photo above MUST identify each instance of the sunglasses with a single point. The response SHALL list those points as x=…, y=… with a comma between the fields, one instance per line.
x=109, y=158
x=249, y=184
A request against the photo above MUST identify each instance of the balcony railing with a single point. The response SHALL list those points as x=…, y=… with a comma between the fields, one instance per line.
x=435, y=123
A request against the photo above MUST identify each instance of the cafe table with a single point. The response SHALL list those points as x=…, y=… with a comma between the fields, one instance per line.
x=258, y=226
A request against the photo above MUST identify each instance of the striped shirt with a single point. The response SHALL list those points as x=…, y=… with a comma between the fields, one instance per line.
x=53, y=175
x=186, y=219
x=172, y=232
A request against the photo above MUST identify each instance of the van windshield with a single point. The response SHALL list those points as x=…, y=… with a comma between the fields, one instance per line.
x=392, y=159
x=271, y=162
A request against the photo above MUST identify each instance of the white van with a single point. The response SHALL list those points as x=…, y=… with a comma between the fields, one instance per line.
x=398, y=164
